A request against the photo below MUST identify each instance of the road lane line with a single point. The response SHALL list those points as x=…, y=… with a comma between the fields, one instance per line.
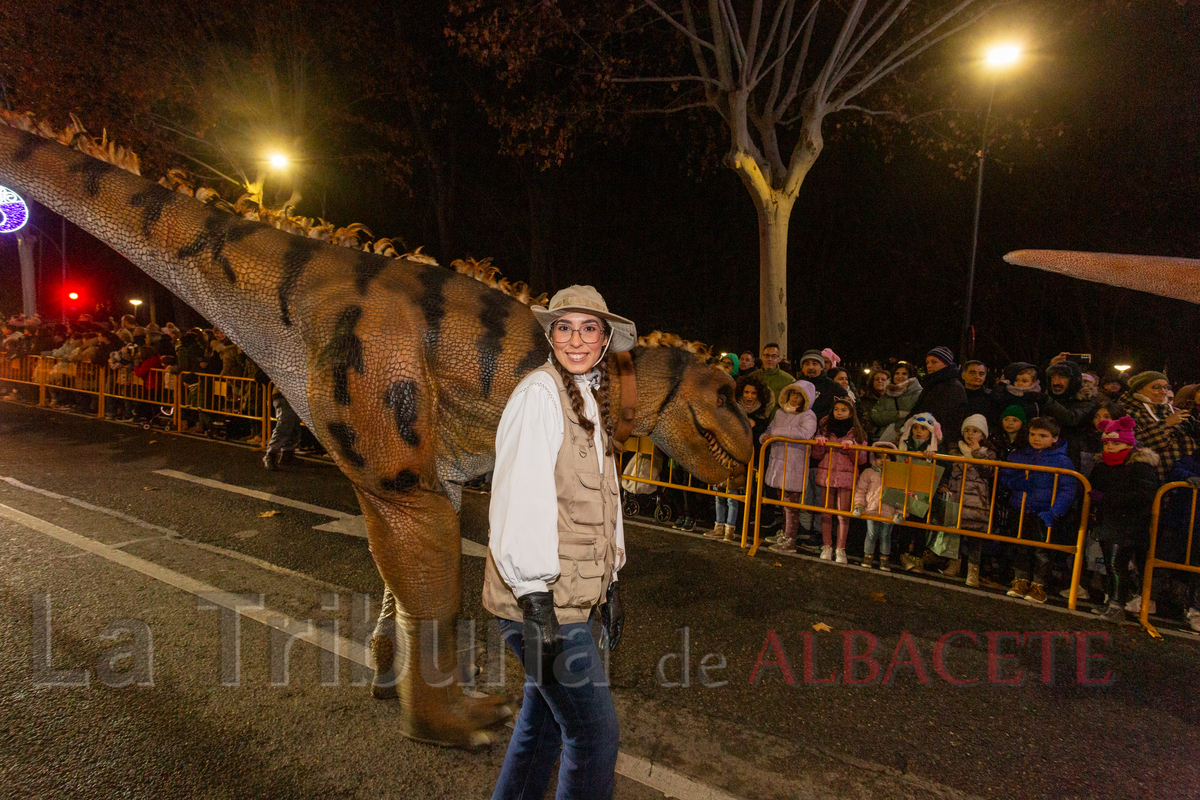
x=338, y=645
x=655, y=776
x=90, y=507
x=270, y=498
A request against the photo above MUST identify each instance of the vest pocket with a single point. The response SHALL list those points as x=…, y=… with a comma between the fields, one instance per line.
x=587, y=501
x=581, y=563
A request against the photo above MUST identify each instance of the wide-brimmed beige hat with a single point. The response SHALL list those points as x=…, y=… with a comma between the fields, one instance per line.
x=587, y=300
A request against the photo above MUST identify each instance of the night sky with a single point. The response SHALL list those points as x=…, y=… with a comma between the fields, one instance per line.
x=880, y=235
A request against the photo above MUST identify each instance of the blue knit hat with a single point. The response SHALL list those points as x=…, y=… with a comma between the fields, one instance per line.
x=943, y=354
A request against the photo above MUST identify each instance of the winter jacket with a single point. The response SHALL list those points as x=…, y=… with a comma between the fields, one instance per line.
x=868, y=494
x=945, y=398
x=150, y=380
x=1171, y=443
x=1038, y=488
x=976, y=489
x=1122, y=497
x=827, y=390
x=1073, y=412
x=776, y=380
x=893, y=408
x=838, y=466
x=979, y=401
x=798, y=424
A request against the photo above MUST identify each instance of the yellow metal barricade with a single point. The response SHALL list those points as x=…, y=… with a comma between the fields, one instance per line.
x=641, y=447
x=244, y=398
x=1152, y=559
x=70, y=376
x=915, y=474
x=20, y=370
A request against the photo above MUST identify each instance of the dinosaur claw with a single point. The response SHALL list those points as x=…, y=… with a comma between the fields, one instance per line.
x=481, y=739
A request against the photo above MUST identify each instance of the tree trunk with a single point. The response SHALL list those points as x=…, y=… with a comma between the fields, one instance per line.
x=774, y=216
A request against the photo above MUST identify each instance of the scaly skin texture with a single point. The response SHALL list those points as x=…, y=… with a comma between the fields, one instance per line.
x=1162, y=275
x=401, y=369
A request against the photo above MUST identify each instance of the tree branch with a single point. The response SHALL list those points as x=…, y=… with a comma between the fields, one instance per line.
x=794, y=86
x=752, y=44
x=734, y=36
x=672, y=110
x=696, y=40
x=872, y=112
x=777, y=68
x=854, y=45
x=756, y=72
x=668, y=79
x=852, y=61
x=821, y=85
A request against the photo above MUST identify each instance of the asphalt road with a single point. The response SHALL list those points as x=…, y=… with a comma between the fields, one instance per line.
x=114, y=564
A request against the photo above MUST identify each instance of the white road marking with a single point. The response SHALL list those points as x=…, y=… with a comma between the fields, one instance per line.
x=338, y=645
x=655, y=776
x=86, y=505
x=270, y=498
x=348, y=524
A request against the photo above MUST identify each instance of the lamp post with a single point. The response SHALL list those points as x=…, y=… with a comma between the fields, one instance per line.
x=135, y=303
x=997, y=58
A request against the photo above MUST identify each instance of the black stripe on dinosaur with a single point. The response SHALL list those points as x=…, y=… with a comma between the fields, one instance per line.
x=405, y=481
x=152, y=200
x=488, y=344
x=402, y=397
x=31, y=144
x=344, y=436
x=366, y=267
x=92, y=170
x=433, y=302
x=220, y=228
x=300, y=251
x=677, y=362
x=343, y=353
x=537, y=354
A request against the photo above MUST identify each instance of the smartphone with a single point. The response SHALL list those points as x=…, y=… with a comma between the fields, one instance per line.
x=1080, y=358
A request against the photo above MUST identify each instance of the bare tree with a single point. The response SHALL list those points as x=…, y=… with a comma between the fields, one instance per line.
x=774, y=82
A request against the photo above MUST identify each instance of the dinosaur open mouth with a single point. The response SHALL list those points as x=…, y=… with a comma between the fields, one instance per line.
x=719, y=453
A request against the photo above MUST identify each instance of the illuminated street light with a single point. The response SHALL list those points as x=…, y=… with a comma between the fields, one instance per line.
x=1003, y=55
x=998, y=58
x=278, y=160
x=1121, y=367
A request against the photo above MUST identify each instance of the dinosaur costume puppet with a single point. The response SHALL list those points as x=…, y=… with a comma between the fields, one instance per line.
x=401, y=369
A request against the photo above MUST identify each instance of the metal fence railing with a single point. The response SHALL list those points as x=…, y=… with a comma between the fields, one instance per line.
x=1153, y=560
x=915, y=478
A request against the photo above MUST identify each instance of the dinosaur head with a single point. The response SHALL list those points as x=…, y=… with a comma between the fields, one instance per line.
x=687, y=408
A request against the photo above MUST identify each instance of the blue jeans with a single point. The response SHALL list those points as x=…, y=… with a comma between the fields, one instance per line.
x=573, y=715
x=727, y=511
x=286, y=434
x=881, y=532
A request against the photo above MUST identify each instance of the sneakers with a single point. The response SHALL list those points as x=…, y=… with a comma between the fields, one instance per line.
x=973, y=575
x=685, y=524
x=840, y=556
x=1084, y=594
x=868, y=562
x=1113, y=613
x=785, y=546
x=911, y=563
x=826, y=553
x=884, y=564
x=1036, y=594
x=1134, y=606
x=1193, y=619
x=1019, y=588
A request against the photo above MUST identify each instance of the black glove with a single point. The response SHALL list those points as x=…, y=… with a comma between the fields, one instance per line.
x=612, y=618
x=543, y=638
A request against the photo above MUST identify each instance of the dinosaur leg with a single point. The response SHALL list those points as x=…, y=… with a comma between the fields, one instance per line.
x=415, y=544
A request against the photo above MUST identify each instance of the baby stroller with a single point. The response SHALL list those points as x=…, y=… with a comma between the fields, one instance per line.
x=638, y=498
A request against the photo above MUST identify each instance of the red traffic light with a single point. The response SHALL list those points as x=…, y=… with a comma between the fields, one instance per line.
x=73, y=295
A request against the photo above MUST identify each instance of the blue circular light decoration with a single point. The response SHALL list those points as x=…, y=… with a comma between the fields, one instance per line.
x=13, y=212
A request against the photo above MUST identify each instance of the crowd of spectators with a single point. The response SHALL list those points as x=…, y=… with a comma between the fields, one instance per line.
x=145, y=365
x=1127, y=435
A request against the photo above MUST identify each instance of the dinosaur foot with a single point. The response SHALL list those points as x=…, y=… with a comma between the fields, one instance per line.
x=383, y=653
x=455, y=720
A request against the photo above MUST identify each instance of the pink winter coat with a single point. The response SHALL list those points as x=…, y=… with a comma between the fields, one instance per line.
x=798, y=424
x=838, y=466
x=869, y=491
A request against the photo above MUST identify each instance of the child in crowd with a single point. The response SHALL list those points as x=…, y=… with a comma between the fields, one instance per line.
x=1039, y=506
x=837, y=471
x=868, y=499
x=970, y=484
x=787, y=464
x=921, y=435
x=1092, y=445
x=1124, y=482
x=753, y=396
x=1020, y=386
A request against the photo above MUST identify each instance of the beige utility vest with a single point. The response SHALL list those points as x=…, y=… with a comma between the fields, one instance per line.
x=587, y=519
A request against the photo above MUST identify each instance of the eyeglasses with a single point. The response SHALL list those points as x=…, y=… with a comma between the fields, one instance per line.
x=589, y=332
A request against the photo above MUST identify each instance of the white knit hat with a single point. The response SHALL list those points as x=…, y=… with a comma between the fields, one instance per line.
x=978, y=421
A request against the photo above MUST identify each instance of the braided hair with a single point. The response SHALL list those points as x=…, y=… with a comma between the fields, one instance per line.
x=607, y=423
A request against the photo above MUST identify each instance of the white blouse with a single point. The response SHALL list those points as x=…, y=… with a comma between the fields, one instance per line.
x=524, y=508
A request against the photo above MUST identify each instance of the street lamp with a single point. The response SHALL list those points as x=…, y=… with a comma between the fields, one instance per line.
x=135, y=303
x=997, y=58
x=278, y=160
x=1121, y=368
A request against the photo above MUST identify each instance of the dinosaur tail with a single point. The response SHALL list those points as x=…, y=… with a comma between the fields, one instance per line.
x=1168, y=277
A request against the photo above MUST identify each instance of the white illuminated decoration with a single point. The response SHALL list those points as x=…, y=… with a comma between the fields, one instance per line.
x=13, y=212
